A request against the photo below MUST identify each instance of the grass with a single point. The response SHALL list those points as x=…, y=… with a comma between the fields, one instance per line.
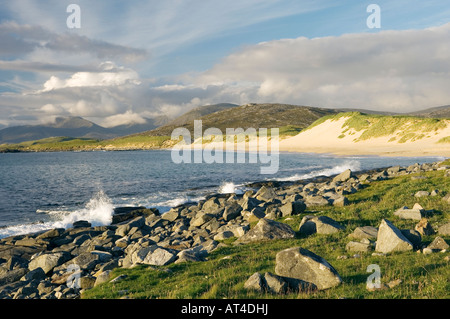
x=402, y=128
x=85, y=144
x=224, y=273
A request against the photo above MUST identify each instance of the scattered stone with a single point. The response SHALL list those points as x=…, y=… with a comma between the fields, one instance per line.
x=48, y=261
x=368, y=232
x=275, y=284
x=292, y=208
x=422, y=194
x=358, y=247
x=344, y=176
x=255, y=282
x=444, y=230
x=319, y=224
x=416, y=213
x=438, y=244
x=390, y=239
x=266, y=229
x=303, y=264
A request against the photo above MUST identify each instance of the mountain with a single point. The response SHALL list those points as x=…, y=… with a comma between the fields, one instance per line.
x=74, y=127
x=435, y=112
x=266, y=115
x=200, y=111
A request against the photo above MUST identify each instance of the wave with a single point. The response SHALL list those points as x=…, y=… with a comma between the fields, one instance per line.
x=352, y=165
x=98, y=211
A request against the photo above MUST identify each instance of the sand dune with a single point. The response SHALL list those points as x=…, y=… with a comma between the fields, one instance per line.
x=328, y=138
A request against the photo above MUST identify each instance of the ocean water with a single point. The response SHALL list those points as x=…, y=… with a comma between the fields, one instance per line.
x=40, y=191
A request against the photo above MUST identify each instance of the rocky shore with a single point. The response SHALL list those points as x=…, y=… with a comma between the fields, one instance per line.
x=62, y=263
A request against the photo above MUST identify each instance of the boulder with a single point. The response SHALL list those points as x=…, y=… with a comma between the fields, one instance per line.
x=266, y=229
x=422, y=194
x=171, y=215
x=265, y=194
x=368, y=232
x=154, y=255
x=292, y=208
x=48, y=261
x=344, y=176
x=255, y=282
x=355, y=246
x=300, y=263
x=390, y=239
x=406, y=213
x=444, y=229
x=122, y=214
x=319, y=224
x=438, y=244
x=316, y=200
x=275, y=284
x=232, y=211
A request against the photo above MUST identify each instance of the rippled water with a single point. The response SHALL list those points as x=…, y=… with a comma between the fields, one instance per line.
x=44, y=190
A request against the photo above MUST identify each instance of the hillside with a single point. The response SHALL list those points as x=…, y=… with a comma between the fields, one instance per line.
x=75, y=127
x=266, y=115
x=358, y=133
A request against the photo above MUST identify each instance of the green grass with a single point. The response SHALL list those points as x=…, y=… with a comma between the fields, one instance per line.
x=224, y=273
x=85, y=144
x=444, y=140
x=403, y=128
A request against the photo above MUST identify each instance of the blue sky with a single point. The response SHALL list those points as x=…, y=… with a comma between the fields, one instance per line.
x=136, y=59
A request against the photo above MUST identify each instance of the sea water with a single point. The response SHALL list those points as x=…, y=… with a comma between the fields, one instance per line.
x=40, y=191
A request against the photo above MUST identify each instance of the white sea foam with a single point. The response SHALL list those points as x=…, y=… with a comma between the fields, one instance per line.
x=230, y=188
x=98, y=211
x=352, y=165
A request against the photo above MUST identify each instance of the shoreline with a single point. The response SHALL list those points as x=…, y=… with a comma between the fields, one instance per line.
x=188, y=232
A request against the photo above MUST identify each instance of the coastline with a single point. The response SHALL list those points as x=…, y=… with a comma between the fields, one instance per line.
x=138, y=236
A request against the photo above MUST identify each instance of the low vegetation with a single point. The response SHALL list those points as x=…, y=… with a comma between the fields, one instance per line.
x=227, y=268
x=402, y=128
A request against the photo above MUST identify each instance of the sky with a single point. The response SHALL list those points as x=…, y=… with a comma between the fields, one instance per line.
x=129, y=60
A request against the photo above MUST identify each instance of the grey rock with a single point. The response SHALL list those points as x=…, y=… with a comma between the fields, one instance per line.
x=275, y=284
x=266, y=229
x=368, y=232
x=319, y=224
x=355, y=246
x=390, y=239
x=444, y=229
x=413, y=236
x=265, y=194
x=232, y=211
x=303, y=264
x=255, y=282
x=406, y=213
x=344, y=176
x=422, y=194
x=292, y=208
x=49, y=261
x=438, y=244
x=35, y=274
x=317, y=200
x=12, y=276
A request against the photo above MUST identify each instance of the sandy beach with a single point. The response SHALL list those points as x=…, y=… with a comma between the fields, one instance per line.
x=324, y=138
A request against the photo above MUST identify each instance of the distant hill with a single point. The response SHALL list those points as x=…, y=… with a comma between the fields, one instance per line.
x=266, y=115
x=434, y=112
x=200, y=111
x=73, y=127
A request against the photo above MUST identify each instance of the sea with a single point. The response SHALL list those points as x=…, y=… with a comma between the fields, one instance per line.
x=40, y=191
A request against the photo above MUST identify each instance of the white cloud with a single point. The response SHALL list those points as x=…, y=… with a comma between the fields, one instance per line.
x=389, y=70
x=129, y=117
x=112, y=76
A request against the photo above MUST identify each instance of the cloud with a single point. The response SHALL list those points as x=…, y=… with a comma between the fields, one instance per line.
x=129, y=117
x=389, y=70
x=19, y=40
x=111, y=75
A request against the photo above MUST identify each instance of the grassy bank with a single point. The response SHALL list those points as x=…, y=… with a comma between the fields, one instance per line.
x=224, y=273
x=132, y=142
x=401, y=128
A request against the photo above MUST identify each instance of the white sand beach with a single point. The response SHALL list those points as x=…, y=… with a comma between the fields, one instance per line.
x=325, y=138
